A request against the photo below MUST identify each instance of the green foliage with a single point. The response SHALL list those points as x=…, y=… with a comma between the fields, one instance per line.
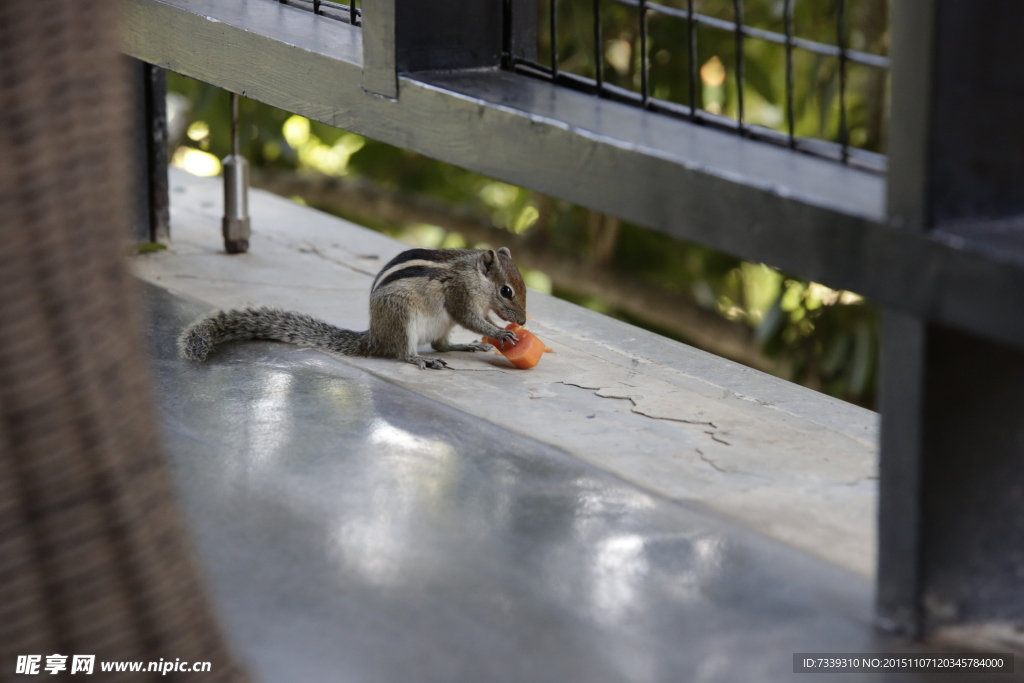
x=824, y=338
x=815, y=77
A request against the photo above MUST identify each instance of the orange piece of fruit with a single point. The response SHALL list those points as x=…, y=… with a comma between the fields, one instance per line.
x=525, y=353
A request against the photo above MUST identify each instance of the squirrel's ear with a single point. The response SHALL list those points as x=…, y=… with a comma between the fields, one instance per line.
x=505, y=252
x=486, y=261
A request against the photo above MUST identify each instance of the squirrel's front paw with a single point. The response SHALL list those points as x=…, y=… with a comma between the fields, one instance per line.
x=506, y=336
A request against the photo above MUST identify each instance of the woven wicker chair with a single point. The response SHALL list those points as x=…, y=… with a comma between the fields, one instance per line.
x=93, y=554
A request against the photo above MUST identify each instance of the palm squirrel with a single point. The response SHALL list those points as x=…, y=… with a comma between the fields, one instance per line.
x=418, y=297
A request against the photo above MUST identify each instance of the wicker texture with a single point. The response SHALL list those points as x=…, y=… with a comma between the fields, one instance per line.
x=93, y=554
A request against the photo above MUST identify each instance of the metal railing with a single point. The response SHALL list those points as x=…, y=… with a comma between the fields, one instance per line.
x=597, y=84
x=349, y=14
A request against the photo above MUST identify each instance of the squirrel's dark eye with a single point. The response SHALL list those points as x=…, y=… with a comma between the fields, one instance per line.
x=506, y=291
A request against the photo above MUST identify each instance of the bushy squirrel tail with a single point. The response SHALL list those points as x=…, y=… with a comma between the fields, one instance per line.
x=199, y=338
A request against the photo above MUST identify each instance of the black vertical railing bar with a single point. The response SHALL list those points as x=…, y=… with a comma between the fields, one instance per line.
x=787, y=11
x=506, y=34
x=598, y=45
x=738, y=17
x=691, y=26
x=554, y=39
x=844, y=133
x=329, y=9
x=644, y=66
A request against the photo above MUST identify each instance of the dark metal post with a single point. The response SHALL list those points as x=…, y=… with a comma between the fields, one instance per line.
x=404, y=36
x=901, y=399
x=236, y=223
x=951, y=510
x=524, y=29
x=152, y=222
x=448, y=34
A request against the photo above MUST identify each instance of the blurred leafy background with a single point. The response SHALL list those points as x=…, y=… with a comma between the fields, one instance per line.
x=748, y=312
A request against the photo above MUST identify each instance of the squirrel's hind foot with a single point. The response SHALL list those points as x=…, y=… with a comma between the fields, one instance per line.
x=423, y=362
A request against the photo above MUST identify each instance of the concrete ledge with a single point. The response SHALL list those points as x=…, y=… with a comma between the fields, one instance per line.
x=788, y=462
